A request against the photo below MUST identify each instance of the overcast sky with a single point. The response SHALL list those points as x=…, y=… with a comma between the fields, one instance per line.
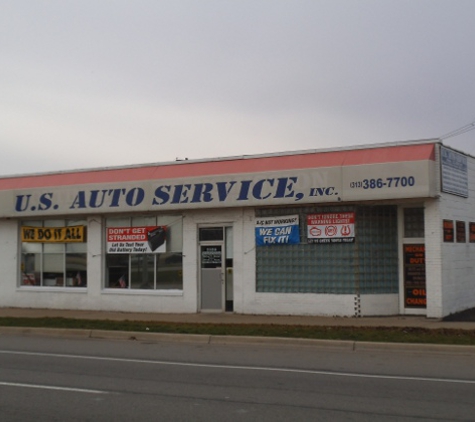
x=96, y=83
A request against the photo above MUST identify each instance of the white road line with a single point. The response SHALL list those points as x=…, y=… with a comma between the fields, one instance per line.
x=51, y=387
x=246, y=368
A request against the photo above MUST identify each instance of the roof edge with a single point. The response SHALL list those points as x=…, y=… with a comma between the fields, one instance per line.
x=228, y=158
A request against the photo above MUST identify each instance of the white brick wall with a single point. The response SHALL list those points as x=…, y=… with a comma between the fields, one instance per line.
x=457, y=268
x=8, y=261
x=434, y=280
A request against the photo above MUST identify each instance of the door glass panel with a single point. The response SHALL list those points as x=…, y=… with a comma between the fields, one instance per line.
x=211, y=257
x=211, y=234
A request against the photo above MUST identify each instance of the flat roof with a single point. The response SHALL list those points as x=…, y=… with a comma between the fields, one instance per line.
x=304, y=159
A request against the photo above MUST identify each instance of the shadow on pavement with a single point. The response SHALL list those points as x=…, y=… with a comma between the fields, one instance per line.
x=467, y=315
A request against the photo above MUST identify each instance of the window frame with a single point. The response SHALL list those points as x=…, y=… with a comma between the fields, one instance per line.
x=126, y=282
x=33, y=274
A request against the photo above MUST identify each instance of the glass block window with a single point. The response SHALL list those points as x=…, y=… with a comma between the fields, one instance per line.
x=369, y=265
x=413, y=222
x=376, y=249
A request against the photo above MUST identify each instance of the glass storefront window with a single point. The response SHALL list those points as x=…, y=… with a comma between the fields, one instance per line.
x=169, y=269
x=46, y=263
x=117, y=270
x=148, y=271
x=76, y=270
x=142, y=271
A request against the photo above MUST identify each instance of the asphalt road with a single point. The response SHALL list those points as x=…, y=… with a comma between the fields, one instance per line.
x=54, y=379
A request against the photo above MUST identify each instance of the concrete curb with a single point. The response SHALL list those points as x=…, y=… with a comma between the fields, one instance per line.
x=348, y=345
x=150, y=337
x=283, y=341
x=47, y=332
x=415, y=347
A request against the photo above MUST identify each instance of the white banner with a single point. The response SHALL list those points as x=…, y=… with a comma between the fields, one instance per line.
x=331, y=227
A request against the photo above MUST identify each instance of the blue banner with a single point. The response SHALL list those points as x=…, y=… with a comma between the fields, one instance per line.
x=282, y=230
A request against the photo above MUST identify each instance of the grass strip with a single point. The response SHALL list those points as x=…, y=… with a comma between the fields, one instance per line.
x=373, y=334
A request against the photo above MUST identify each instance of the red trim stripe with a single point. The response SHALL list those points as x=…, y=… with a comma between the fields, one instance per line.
x=227, y=166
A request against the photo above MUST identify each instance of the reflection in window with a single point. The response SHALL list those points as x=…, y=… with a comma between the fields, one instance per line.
x=148, y=271
x=169, y=271
x=117, y=270
x=54, y=264
x=142, y=273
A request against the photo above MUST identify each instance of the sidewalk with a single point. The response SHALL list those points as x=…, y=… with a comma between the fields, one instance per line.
x=231, y=318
